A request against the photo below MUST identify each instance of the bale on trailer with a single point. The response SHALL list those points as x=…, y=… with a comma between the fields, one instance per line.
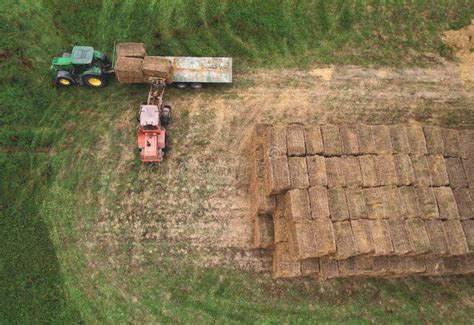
x=422, y=171
x=386, y=170
x=368, y=171
x=416, y=140
x=417, y=235
x=404, y=169
x=409, y=203
x=399, y=137
x=435, y=231
x=317, y=170
x=349, y=140
x=295, y=140
x=366, y=140
x=456, y=239
x=351, y=170
x=275, y=142
x=380, y=234
x=457, y=176
x=324, y=236
x=314, y=140
x=363, y=240
x=129, y=70
x=318, y=200
x=157, y=67
x=277, y=175
x=464, y=202
x=382, y=139
x=331, y=140
x=434, y=140
x=374, y=202
x=439, y=174
x=401, y=243
x=298, y=172
x=344, y=240
x=447, y=206
x=427, y=204
x=263, y=231
x=451, y=142
x=338, y=204
x=356, y=204
x=132, y=50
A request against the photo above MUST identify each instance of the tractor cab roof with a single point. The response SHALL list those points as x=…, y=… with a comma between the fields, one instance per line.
x=82, y=54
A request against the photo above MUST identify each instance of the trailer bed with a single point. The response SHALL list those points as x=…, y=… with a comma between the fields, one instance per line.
x=201, y=69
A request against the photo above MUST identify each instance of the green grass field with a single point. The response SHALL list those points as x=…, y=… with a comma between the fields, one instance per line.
x=52, y=177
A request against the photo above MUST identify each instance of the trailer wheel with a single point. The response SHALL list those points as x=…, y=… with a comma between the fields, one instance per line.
x=181, y=85
x=196, y=86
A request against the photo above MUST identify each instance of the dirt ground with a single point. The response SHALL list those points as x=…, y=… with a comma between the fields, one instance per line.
x=194, y=207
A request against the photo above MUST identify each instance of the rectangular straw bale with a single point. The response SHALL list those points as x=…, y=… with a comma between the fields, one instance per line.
x=464, y=202
x=380, y=234
x=439, y=174
x=129, y=70
x=382, y=139
x=391, y=202
x=314, y=140
x=310, y=267
x=259, y=200
x=356, y=266
x=398, y=134
x=404, y=168
x=401, y=243
x=295, y=140
x=451, y=142
x=338, y=204
x=328, y=268
x=324, y=236
x=414, y=265
x=157, y=67
x=468, y=226
x=349, y=140
x=280, y=228
x=275, y=142
x=427, y=204
x=466, y=143
x=356, y=204
x=257, y=157
x=434, y=140
x=434, y=265
x=335, y=175
x=304, y=240
x=447, y=206
x=277, y=175
x=366, y=140
x=417, y=235
x=134, y=50
x=347, y=267
x=422, y=171
x=416, y=140
x=363, y=241
x=318, y=201
x=344, y=240
x=457, y=176
x=317, y=173
x=381, y=266
x=374, y=202
x=435, y=231
x=298, y=172
x=351, y=171
x=408, y=202
x=296, y=206
x=456, y=239
x=263, y=231
x=331, y=140
x=397, y=266
x=468, y=165
x=386, y=171
x=368, y=171
x=283, y=266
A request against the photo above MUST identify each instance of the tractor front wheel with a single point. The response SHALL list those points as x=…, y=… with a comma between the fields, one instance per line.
x=63, y=79
x=94, y=81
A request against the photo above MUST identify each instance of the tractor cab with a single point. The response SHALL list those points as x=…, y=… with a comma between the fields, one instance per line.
x=83, y=66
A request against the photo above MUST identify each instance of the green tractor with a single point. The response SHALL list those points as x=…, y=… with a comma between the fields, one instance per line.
x=83, y=66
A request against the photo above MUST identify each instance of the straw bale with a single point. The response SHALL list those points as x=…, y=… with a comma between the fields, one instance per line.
x=331, y=140
x=134, y=50
x=351, y=171
x=368, y=171
x=386, y=171
x=328, y=268
x=381, y=266
x=335, y=175
x=366, y=140
x=338, y=204
x=456, y=239
x=344, y=240
x=404, y=168
x=157, y=67
x=399, y=138
x=314, y=140
x=356, y=204
x=401, y=243
x=317, y=170
x=318, y=200
x=349, y=140
x=439, y=174
x=447, y=206
x=324, y=236
x=382, y=139
x=466, y=144
x=468, y=226
x=468, y=165
x=435, y=231
x=416, y=139
x=434, y=140
x=391, y=202
x=296, y=206
x=298, y=172
x=422, y=171
x=263, y=231
x=283, y=266
x=451, y=142
x=380, y=234
x=413, y=265
x=427, y=203
x=310, y=266
x=408, y=202
x=363, y=241
x=259, y=200
x=275, y=142
x=302, y=240
x=280, y=228
x=464, y=202
x=295, y=140
x=129, y=70
x=419, y=240
x=374, y=202
x=277, y=175
x=456, y=174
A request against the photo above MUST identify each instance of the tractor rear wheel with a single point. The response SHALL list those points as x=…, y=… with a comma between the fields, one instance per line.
x=94, y=81
x=63, y=79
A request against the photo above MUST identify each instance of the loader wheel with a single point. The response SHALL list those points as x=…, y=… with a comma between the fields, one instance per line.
x=94, y=81
x=165, y=115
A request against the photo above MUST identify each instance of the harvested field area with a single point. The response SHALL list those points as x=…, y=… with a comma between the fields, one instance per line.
x=393, y=210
